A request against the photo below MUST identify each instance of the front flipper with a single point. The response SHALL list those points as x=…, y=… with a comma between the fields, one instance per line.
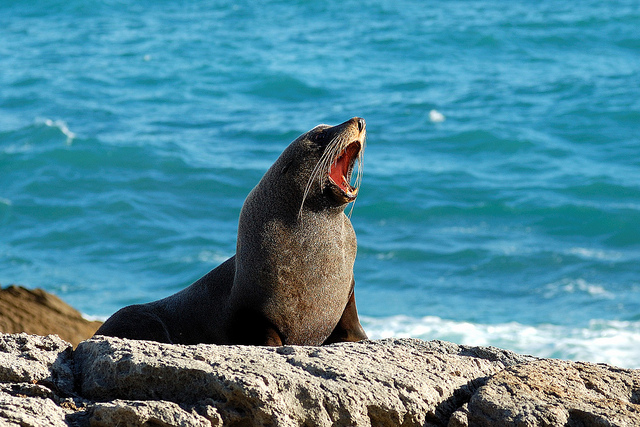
x=248, y=327
x=136, y=322
x=349, y=327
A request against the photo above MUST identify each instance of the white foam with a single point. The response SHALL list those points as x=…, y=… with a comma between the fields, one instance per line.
x=572, y=286
x=206, y=256
x=436, y=116
x=212, y=257
x=603, y=341
x=62, y=126
x=595, y=254
x=94, y=318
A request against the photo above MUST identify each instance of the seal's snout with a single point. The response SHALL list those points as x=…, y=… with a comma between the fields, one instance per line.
x=357, y=122
x=355, y=125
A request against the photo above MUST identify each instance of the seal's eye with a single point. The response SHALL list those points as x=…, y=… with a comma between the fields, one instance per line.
x=318, y=136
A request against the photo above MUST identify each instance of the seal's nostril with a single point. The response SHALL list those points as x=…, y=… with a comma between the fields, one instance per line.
x=361, y=124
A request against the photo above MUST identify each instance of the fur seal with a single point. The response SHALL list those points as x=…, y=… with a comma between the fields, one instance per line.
x=291, y=279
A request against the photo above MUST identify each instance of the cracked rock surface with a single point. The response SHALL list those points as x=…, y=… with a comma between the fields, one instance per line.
x=557, y=393
x=409, y=382
x=36, y=359
x=383, y=383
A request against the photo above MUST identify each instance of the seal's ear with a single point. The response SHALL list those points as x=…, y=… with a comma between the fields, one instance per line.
x=286, y=167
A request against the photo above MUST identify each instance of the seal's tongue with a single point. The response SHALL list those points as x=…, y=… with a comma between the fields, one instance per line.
x=341, y=168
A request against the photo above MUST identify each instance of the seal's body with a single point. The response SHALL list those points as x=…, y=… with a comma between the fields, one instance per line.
x=291, y=280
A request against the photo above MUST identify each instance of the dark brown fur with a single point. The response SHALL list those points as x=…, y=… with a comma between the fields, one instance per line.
x=291, y=280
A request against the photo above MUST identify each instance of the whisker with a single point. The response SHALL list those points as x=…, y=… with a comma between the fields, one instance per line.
x=317, y=171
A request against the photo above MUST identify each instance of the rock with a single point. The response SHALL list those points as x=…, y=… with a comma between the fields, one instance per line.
x=39, y=312
x=35, y=359
x=139, y=413
x=382, y=383
x=556, y=392
x=409, y=382
x=493, y=354
x=30, y=411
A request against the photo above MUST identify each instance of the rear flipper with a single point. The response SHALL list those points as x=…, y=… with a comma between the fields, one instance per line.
x=136, y=322
x=349, y=327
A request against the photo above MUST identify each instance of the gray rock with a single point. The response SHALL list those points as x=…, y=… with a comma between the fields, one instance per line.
x=555, y=392
x=27, y=390
x=37, y=359
x=382, y=383
x=27, y=411
x=494, y=354
x=139, y=413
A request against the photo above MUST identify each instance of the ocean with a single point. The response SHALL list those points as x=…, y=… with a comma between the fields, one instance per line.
x=500, y=202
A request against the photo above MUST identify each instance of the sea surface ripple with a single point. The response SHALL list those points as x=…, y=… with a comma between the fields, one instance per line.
x=500, y=203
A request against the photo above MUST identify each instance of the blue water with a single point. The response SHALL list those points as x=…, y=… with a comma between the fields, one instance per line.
x=500, y=202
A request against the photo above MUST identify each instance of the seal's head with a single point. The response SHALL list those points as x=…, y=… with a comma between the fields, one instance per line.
x=320, y=163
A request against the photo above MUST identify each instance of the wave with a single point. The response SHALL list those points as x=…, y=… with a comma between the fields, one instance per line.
x=602, y=341
x=61, y=126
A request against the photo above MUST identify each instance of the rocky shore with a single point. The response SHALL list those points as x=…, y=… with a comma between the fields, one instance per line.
x=391, y=382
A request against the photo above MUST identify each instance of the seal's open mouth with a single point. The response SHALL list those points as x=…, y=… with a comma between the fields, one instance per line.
x=340, y=172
